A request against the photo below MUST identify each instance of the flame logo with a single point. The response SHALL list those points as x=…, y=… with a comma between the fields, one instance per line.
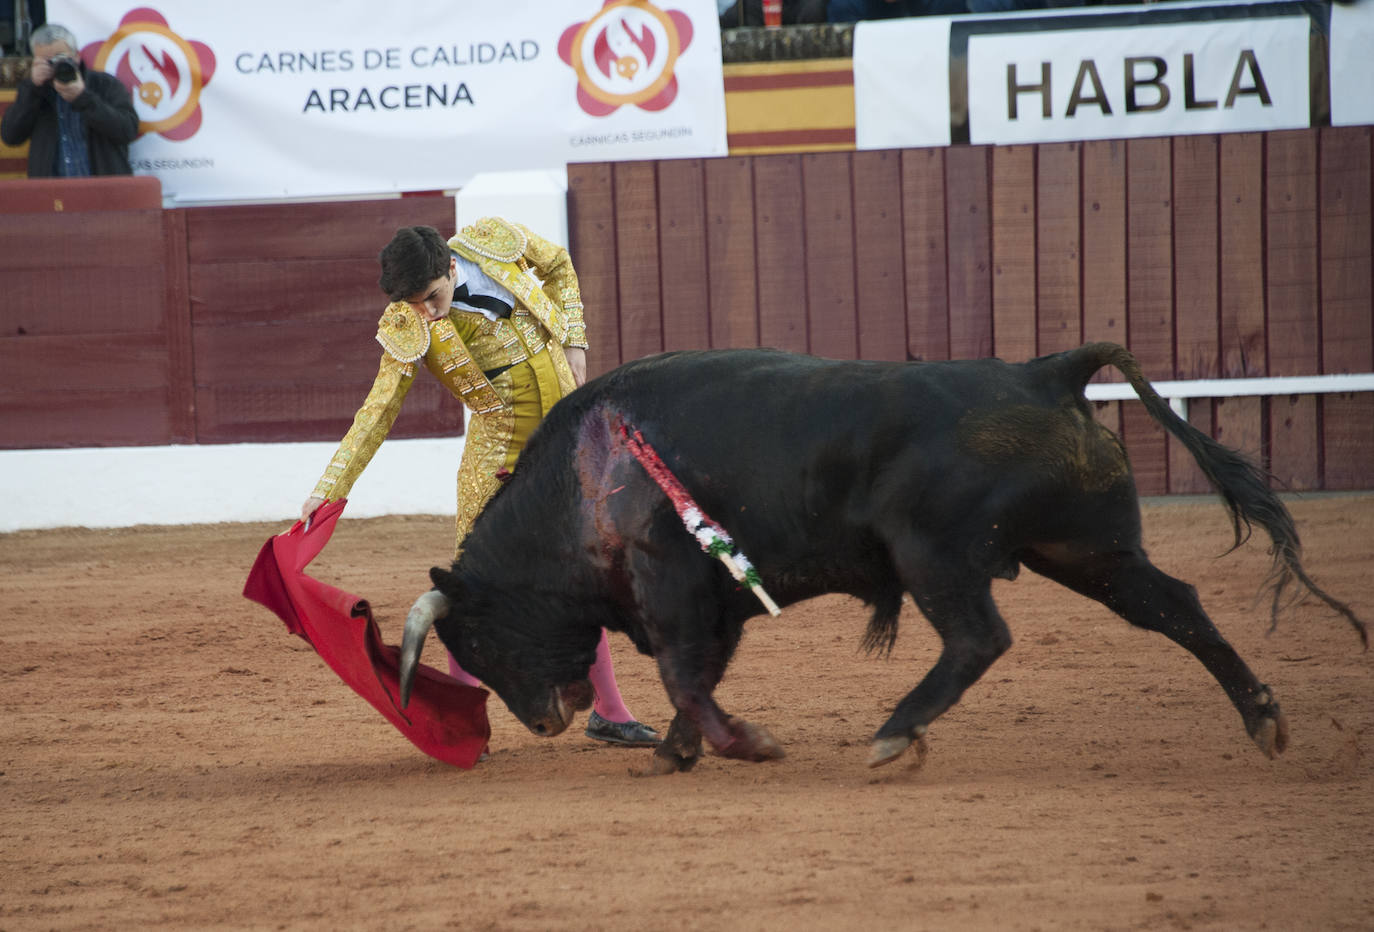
x=625, y=54
x=626, y=65
x=164, y=72
x=150, y=92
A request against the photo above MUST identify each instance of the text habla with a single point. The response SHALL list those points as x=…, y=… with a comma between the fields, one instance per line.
x=1144, y=87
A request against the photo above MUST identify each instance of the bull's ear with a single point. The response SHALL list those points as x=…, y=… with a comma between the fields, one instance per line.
x=442, y=578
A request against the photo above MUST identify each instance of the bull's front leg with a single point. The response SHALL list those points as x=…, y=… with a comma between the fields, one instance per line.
x=690, y=677
x=679, y=751
x=728, y=736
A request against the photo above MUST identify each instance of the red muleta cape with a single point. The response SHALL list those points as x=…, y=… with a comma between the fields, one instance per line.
x=445, y=719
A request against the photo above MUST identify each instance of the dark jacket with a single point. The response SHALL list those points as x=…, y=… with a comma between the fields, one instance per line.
x=106, y=109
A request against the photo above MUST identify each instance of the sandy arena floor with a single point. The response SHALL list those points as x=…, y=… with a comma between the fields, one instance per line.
x=173, y=758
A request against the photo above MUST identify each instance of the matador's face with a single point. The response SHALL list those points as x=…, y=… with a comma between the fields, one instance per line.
x=433, y=301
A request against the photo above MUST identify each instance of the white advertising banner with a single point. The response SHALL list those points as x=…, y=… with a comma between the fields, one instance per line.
x=1101, y=73
x=1146, y=80
x=1352, y=64
x=262, y=100
x=901, y=83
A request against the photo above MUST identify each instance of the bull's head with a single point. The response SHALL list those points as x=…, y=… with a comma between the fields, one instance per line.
x=539, y=670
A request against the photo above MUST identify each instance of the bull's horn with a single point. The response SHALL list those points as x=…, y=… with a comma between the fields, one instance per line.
x=426, y=610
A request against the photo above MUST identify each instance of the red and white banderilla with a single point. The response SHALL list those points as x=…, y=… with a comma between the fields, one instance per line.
x=710, y=535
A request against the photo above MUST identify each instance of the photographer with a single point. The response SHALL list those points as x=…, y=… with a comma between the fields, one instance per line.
x=77, y=122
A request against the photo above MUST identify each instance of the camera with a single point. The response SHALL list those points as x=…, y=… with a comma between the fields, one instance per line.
x=63, y=68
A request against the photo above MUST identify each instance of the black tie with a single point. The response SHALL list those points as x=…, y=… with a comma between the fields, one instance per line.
x=486, y=302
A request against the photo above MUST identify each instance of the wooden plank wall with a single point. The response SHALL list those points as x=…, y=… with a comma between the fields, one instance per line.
x=1345, y=245
x=1236, y=255
x=283, y=307
x=84, y=343
x=205, y=325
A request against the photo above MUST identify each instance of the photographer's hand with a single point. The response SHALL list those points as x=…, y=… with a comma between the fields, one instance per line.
x=72, y=89
x=41, y=72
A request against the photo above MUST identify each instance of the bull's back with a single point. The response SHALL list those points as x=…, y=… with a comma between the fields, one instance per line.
x=812, y=455
x=762, y=417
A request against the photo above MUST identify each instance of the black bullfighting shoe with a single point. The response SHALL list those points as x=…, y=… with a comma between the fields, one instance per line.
x=629, y=734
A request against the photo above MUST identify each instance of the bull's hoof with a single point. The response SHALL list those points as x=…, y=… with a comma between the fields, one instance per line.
x=751, y=742
x=663, y=762
x=886, y=750
x=1270, y=732
x=1271, y=735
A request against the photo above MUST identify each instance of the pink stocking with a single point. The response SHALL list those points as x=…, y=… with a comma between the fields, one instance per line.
x=467, y=679
x=609, y=704
x=459, y=674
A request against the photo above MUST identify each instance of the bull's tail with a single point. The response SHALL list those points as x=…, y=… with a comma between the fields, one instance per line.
x=1242, y=484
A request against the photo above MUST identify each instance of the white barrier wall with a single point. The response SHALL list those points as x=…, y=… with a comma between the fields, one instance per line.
x=123, y=486
x=536, y=199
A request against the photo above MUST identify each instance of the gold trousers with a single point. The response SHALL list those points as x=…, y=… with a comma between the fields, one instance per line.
x=494, y=440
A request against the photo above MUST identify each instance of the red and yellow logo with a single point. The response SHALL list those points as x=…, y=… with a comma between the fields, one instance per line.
x=625, y=54
x=164, y=72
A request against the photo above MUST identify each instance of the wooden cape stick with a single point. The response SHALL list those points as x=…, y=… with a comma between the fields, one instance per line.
x=710, y=535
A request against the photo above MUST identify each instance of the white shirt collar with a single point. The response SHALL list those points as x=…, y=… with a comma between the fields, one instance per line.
x=479, y=283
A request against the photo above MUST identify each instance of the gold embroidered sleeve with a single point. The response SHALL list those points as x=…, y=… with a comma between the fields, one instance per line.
x=555, y=269
x=370, y=426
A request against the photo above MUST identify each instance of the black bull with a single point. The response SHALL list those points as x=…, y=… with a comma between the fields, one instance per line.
x=867, y=478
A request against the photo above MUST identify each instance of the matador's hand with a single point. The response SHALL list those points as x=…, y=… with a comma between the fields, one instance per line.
x=309, y=507
x=577, y=361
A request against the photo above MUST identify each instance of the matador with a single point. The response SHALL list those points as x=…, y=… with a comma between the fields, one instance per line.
x=495, y=313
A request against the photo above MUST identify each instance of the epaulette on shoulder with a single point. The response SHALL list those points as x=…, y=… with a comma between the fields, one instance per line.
x=402, y=333
x=494, y=238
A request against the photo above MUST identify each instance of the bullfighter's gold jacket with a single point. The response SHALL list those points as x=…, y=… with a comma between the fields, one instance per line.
x=458, y=349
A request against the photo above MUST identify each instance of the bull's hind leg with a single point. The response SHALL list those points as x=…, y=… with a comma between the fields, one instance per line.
x=974, y=635
x=1130, y=585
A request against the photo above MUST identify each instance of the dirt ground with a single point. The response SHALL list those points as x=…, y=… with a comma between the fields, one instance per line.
x=172, y=758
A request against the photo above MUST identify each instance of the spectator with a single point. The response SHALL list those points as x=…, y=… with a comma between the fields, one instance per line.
x=750, y=12
x=849, y=11
x=1003, y=6
x=77, y=122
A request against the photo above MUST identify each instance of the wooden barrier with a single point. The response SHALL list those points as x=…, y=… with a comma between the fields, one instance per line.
x=80, y=195
x=284, y=306
x=1209, y=256
x=84, y=323
x=136, y=326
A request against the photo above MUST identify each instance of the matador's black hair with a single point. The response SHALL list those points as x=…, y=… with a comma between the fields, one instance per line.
x=415, y=257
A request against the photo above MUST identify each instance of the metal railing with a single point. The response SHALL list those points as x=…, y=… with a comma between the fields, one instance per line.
x=1177, y=393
